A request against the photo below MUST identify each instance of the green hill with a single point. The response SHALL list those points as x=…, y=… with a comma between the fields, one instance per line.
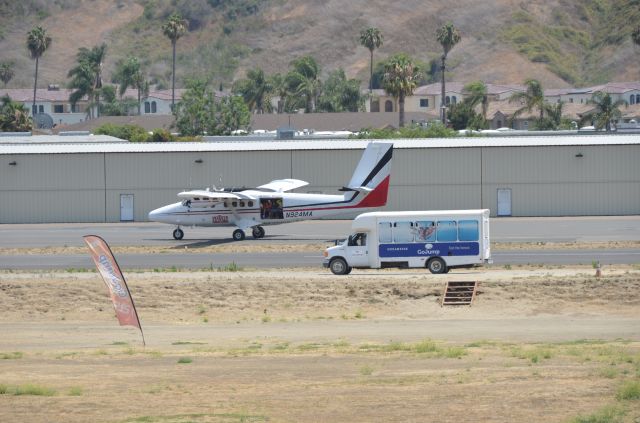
x=573, y=42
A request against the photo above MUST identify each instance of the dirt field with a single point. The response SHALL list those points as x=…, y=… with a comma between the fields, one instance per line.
x=539, y=344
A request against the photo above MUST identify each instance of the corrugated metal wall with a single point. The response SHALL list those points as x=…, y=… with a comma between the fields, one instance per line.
x=544, y=180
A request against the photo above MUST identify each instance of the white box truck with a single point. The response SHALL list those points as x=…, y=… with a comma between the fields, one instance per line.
x=437, y=240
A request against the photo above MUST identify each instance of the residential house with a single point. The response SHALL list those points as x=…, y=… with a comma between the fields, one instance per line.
x=52, y=101
x=627, y=91
x=158, y=102
x=426, y=98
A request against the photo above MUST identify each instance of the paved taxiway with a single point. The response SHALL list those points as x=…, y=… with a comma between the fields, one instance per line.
x=564, y=229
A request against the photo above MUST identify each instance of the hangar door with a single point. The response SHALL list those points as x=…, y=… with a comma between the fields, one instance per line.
x=126, y=207
x=504, y=201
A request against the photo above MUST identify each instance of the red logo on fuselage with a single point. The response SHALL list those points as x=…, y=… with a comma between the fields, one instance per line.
x=220, y=219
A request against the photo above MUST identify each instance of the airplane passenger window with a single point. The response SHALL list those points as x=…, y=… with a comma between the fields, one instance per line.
x=250, y=203
x=234, y=204
x=241, y=203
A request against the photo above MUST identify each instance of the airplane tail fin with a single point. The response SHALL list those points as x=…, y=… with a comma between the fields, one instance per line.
x=371, y=177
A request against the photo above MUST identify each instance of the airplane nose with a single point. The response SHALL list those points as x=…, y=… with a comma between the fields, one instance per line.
x=153, y=215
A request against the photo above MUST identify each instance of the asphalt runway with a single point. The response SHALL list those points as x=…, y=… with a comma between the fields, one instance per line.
x=564, y=229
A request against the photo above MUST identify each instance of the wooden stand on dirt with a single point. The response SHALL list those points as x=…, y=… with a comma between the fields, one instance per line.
x=459, y=293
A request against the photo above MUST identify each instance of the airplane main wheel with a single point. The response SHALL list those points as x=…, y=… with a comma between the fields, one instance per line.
x=258, y=232
x=238, y=235
x=436, y=265
x=178, y=234
x=339, y=266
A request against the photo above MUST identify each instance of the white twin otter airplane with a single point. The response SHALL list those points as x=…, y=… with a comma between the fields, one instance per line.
x=271, y=204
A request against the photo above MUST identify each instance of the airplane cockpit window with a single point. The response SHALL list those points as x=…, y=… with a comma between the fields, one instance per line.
x=186, y=203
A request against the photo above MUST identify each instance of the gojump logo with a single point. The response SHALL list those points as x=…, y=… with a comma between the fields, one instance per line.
x=114, y=281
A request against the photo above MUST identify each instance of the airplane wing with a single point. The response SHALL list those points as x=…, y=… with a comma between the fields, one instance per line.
x=213, y=195
x=280, y=185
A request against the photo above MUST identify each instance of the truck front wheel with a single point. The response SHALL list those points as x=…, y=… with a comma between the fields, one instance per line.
x=436, y=265
x=339, y=266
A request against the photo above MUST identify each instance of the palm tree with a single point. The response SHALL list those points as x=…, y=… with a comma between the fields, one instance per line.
x=448, y=36
x=173, y=29
x=87, y=75
x=6, y=72
x=400, y=78
x=37, y=42
x=605, y=112
x=531, y=98
x=476, y=93
x=14, y=117
x=372, y=39
x=129, y=74
x=635, y=36
x=256, y=91
x=279, y=86
x=554, y=112
x=303, y=81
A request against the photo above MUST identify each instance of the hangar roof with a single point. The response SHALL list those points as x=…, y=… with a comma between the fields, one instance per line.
x=271, y=145
x=28, y=139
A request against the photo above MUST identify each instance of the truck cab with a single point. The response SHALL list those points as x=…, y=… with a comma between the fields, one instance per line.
x=350, y=253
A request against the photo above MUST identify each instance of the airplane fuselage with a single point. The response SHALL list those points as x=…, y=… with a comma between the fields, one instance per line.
x=262, y=209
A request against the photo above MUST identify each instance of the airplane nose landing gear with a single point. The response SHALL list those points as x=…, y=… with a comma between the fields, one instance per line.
x=178, y=234
x=238, y=235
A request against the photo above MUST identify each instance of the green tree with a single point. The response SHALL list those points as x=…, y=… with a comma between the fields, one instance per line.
x=460, y=115
x=192, y=111
x=532, y=98
x=256, y=90
x=14, y=117
x=199, y=112
x=6, y=72
x=231, y=115
x=303, y=82
x=173, y=29
x=129, y=74
x=37, y=42
x=400, y=79
x=340, y=94
x=606, y=110
x=86, y=76
x=371, y=38
x=448, y=36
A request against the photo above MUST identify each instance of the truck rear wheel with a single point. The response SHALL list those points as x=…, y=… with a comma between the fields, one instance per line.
x=436, y=265
x=339, y=266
